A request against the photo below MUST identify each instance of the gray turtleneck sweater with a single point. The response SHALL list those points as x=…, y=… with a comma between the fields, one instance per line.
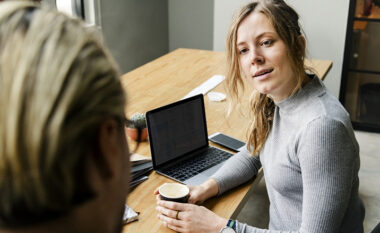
x=310, y=162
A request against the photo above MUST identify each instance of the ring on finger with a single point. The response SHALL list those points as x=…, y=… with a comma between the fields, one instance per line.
x=176, y=216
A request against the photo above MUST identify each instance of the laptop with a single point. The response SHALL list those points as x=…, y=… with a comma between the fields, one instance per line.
x=179, y=143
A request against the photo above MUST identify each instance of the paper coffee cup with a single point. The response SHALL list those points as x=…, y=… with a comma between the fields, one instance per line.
x=174, y=192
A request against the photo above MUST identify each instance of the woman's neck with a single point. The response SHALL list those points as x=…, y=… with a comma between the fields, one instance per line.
x=292, y=89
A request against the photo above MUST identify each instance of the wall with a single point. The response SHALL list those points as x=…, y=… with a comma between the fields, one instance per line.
x=139, y=31
x=324, y=23
x=135, y=31
x=224, y=11
x=191, y=24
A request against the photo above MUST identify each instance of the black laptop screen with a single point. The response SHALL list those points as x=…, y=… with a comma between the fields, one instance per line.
x=177, y=129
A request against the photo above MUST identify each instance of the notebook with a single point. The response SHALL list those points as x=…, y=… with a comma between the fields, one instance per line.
x=179, y=143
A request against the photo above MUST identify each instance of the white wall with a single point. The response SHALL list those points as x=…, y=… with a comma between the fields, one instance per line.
x=224, y=11
x=190, y=24
x=324, y=23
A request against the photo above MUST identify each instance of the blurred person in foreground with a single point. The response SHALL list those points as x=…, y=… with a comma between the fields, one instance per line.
x=64, y=159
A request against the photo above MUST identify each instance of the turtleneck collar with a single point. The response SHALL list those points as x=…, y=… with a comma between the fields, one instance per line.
x=312, y=88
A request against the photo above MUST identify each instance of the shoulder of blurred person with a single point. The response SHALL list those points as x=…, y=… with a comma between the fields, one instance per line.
x=64, y=159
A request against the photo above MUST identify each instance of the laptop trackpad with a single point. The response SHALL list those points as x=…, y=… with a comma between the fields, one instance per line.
x=203, y=176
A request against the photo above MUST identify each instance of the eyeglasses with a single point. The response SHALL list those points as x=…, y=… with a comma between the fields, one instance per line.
x=127, y=123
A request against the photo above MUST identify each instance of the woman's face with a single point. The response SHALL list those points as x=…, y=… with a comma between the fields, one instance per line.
x=263, y=57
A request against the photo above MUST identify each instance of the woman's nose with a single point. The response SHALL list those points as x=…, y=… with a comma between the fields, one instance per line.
x=256, y=57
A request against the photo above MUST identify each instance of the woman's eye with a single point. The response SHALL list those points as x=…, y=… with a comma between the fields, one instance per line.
x=242, y=51
x=267, y=43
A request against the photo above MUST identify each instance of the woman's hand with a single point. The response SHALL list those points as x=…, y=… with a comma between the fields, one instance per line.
x=200, y=193
x=189, y=218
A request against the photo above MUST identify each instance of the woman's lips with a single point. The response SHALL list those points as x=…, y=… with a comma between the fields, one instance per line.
x=262, y=72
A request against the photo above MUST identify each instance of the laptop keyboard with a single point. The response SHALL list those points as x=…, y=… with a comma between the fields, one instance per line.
x=192, y=167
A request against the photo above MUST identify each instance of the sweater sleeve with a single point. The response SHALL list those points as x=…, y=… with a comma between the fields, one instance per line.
x=238, y=169
x=328, y=159
x=327, y=156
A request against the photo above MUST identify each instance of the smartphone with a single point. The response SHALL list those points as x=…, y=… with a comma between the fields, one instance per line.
x=227, y=141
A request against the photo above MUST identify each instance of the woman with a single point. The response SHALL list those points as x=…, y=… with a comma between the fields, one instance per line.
x=64, y=158
x=300, y=134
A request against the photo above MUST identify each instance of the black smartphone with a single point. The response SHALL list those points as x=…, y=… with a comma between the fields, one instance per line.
x=227, y=141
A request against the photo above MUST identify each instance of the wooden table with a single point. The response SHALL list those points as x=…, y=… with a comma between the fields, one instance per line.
x=166, y=80
x=321, y=67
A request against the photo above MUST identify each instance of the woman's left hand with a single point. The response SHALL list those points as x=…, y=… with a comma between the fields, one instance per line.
x=189, y=218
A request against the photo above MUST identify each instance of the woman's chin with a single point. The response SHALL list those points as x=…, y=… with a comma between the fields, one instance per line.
x=264, y=91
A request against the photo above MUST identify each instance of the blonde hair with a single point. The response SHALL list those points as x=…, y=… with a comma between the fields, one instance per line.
x=57, y=85
x=285, y=21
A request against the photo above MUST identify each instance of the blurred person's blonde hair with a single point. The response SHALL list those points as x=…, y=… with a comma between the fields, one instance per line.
x=57, y=85
x=285, y=21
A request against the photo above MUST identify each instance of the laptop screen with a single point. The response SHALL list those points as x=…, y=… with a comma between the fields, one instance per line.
x=177, y=129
